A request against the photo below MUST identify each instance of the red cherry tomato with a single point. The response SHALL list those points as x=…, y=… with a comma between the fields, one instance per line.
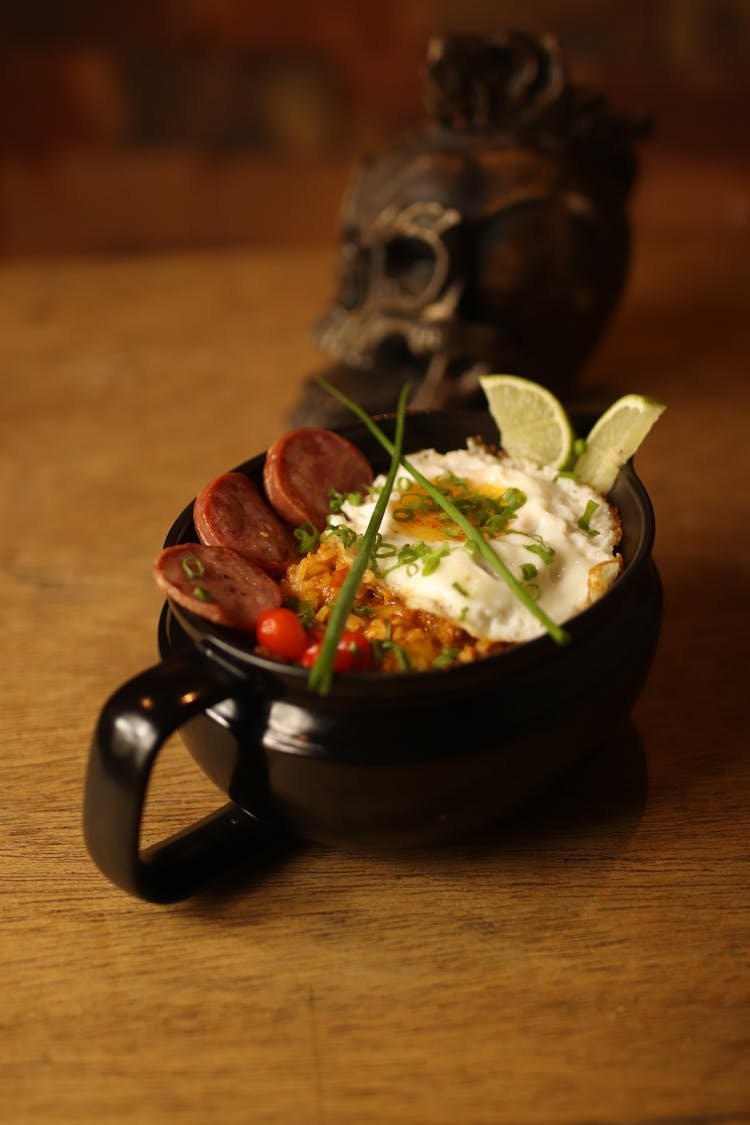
x=282, y=633
x=353, y=652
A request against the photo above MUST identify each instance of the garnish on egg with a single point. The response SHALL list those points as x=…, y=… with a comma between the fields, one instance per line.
x=490, y=558
x=585, y=520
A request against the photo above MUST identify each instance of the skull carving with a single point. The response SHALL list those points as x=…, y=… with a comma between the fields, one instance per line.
x=395, y=271
x=496, y=240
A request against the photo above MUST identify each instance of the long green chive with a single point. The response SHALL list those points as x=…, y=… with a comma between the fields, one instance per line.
x=321, y=673
x=482, y=547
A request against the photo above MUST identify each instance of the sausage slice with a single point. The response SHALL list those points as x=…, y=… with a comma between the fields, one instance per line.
x=303, y=465
x=231, y=512
x=216, y=583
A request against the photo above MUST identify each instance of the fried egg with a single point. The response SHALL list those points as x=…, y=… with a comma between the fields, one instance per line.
x=557, y=536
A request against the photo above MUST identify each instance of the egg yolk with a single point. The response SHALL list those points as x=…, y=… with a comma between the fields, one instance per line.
x=422, y=518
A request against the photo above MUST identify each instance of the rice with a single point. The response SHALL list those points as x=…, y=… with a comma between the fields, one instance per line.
x=402, y=638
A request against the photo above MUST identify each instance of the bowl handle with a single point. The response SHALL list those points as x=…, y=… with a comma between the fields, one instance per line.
x=133, y=726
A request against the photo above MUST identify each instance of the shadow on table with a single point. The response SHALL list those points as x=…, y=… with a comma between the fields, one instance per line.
x=603, y=795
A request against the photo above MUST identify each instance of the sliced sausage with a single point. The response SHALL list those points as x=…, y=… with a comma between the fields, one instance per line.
x=216, y=583
x=231, y=512
x=301, y=468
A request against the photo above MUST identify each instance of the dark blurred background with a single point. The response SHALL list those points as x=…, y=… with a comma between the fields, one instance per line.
x=190, y=123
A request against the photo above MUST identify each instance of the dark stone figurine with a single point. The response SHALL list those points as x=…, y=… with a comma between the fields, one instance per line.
x=495, y=240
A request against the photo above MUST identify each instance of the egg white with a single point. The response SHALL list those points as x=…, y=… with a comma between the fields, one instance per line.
x=461, y=588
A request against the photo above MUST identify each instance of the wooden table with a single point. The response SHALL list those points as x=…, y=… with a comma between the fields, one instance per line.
x=586, y=963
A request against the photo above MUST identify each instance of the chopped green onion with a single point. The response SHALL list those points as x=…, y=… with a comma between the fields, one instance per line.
x=202, y=594
x=433, y=558
x=321, y=673
x=363, y=611
x=408, y=555
x=583, y=523
x=336, y=500
x=307, y=535
x=454, y=479
x=193, y=566
x=546, y=553
x=528, y=571
x=400, y=653
x=382, y=550
x=306, y=613
x=483, y=548
x=457, y=586
x=445, y=657
x=347, y=535
x=304, y=610
x=511, y=500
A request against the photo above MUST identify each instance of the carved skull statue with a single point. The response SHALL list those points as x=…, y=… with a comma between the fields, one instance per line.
x=496, y=240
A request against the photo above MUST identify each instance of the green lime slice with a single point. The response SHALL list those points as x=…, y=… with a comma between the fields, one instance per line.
x=615, y=437
x=533, y=423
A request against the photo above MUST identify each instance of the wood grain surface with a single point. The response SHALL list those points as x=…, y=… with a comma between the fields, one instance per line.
x=585, y=964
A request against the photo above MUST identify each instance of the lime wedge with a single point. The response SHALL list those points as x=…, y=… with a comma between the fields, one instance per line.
x=614, y=438
x=533, y=424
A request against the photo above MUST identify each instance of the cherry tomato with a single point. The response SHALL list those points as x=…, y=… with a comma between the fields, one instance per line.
x=282, y=633
x=353, y=652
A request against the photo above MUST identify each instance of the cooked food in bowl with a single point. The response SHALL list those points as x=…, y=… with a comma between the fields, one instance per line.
x=426, y=597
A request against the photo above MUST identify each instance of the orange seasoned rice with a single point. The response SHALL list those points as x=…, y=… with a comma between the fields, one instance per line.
x=402, y=638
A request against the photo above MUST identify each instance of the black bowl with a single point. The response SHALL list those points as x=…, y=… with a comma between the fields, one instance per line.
x=383, y=760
